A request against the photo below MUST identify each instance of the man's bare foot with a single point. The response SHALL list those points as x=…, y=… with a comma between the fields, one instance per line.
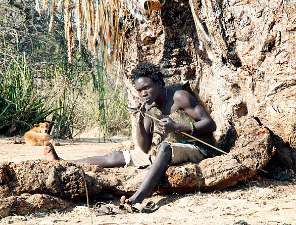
x=49, y=152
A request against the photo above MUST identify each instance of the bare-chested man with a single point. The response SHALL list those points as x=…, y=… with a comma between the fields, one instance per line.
x=160, y=143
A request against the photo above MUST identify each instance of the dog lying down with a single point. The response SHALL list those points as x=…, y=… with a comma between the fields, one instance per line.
x=38, y=135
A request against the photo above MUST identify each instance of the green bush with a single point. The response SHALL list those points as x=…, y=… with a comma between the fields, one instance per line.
x=38, y=84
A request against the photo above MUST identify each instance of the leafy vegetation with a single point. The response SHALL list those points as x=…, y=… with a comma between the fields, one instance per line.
x=38, y=84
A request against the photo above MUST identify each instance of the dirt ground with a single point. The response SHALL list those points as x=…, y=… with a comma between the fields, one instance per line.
x=257, y=201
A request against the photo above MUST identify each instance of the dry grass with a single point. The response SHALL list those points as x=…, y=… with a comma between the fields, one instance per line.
x=101, y=23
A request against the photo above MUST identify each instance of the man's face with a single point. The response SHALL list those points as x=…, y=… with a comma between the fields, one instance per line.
x=147, y=89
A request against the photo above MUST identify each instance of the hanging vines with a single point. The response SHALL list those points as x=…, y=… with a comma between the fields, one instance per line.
x=102, y=22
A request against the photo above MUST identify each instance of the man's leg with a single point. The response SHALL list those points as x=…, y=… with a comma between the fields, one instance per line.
x=158, y=168
x=116, y=159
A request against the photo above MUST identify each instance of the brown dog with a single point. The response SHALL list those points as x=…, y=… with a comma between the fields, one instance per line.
x=38, y=135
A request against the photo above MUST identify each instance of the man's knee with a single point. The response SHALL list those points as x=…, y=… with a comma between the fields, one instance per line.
x=115, y=157
x=164, y=149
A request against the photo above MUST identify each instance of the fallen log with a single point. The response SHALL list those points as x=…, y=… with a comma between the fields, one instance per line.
x=50, y=184
x=252, y=151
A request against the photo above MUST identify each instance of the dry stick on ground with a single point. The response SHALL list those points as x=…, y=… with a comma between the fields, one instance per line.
x=86, y=191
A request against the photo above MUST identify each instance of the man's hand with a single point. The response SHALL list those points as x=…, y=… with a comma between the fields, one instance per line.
x=140, y=114
x=167, y=125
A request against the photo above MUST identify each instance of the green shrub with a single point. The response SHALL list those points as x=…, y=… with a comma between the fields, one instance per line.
x=38, y=84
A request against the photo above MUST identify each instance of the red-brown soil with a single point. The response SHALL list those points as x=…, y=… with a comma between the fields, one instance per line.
x=257, y=201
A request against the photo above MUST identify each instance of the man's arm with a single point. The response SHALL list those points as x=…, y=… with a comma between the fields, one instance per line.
x=143, y=134
x=203, y=122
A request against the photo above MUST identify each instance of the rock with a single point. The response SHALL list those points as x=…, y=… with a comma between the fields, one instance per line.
x=22, y=205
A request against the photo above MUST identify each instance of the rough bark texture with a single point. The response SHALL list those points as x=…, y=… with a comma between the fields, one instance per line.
x=238, y=56
x=22, y=205
x=43, y=179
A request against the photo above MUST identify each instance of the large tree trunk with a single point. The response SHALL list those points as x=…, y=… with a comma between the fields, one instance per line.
x=238, y=56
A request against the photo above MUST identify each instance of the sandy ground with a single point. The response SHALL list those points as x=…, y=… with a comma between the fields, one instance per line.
x=257, y=201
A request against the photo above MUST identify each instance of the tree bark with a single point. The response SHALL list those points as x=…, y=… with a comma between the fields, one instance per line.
x=238, y=56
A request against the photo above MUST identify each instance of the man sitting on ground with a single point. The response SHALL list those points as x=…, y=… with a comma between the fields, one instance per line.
x=160, y=143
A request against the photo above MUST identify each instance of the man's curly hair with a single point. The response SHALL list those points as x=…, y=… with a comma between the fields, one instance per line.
x=147, y=69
